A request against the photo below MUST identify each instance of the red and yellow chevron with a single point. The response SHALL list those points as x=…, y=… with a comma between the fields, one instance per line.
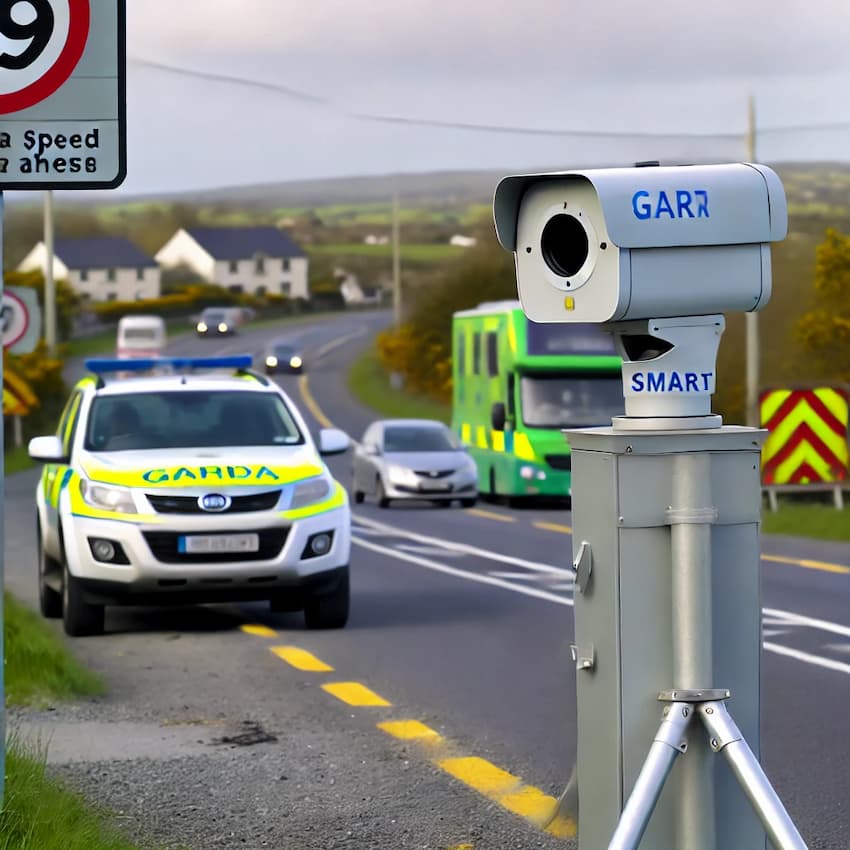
x=18, y=398
x=807, y=443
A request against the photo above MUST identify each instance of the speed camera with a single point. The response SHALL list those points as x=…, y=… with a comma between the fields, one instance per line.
x=646, y=242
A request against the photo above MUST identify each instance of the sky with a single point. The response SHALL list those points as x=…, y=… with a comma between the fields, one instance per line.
x=657, y=67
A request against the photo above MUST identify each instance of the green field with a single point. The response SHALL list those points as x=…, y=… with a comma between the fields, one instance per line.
x=821, y=521
x=424, y=254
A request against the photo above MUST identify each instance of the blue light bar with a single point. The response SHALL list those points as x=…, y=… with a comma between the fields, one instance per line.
x=103, y=366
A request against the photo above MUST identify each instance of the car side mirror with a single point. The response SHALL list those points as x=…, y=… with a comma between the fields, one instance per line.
x=332, y=441
x=498, y=416
x=47, y=450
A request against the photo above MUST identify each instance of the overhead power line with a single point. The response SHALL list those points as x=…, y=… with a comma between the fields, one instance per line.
x=327, y=103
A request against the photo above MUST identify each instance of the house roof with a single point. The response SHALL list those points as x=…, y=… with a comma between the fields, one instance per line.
x=243, y=243
x=101, y=252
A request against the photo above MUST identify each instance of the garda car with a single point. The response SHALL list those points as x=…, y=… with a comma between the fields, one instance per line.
x=200, y=485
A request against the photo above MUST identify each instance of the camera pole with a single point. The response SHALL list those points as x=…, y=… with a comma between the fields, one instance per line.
x=665, y=530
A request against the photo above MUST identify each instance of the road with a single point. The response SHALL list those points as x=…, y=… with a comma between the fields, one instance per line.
x=461, y=626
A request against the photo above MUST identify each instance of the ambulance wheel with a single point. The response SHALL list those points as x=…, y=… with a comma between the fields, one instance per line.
x=80, y=618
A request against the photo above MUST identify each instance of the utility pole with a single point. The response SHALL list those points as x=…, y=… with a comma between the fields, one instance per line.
x=396, y=260
x=751, y=326
x=49, y=282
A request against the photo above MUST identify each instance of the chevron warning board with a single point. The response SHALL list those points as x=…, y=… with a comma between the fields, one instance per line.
x=807, y=443
x=18, y=398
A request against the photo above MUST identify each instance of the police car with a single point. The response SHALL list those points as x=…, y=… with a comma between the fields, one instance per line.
x=199, y=485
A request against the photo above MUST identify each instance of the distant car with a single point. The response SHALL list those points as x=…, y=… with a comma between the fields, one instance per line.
x=219, y=321
x=413, y=459
x=283, y=357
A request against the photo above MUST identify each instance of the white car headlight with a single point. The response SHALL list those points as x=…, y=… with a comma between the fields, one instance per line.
x=107, y=498
x=309, y=492
x=295, y=362
x=271, y=361
x=202, y=327
x=401, y=474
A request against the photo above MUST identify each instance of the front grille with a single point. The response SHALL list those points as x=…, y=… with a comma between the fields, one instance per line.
x=238, y=505
x=163, y=545
x=559, y=461
x=433, y=473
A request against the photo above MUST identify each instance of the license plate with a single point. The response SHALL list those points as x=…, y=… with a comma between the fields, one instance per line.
x=435, y=488
x=198, y=544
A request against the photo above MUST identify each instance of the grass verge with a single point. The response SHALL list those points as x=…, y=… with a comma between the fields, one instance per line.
x=821, y=521
x=39, y=668
x=17, y=460
x=368, y=383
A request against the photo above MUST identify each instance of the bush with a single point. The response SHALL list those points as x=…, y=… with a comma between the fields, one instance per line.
x=44, y=376
x=67, y=301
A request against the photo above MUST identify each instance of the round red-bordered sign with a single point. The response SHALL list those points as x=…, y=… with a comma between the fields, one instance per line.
x=79, y=18
x=16, y=334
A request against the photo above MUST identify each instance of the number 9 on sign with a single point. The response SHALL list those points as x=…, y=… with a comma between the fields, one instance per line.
x=41, y=42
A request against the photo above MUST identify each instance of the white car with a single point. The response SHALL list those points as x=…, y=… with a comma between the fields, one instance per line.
x=194, y=486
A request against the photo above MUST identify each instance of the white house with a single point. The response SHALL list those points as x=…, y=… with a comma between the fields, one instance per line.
x=462, y=241
x=255, y=260
x=99, y=268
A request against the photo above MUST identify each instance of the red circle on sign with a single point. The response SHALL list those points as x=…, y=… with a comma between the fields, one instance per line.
x=23, y=308
x=78, y=33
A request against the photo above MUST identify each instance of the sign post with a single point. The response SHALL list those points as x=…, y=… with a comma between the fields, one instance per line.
x=62, y=126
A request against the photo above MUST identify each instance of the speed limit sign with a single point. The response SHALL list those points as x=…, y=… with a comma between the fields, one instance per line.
x=62, y=94
x=43, y=42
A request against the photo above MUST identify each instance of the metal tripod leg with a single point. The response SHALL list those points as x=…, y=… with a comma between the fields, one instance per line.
x=669, y=741
x=727, y=739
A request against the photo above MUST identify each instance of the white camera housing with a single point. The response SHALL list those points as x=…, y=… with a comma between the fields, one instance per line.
x=641, y=243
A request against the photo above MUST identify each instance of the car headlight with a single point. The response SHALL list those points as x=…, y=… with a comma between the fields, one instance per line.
x=202, y=327
x=107, y=498
x=222, y=327
x=295, y=362
x=309, y=492
x=401, y=474
x=271, y=360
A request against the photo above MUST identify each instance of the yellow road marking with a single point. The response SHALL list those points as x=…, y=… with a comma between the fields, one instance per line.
x=552, y=526
x=409, y=729
x=304, y=389
x=300, y=659
x=490, y=515
x=481, y=775
x=258, y=630
x=354, y=693
x=823, y=566
x=562, y=827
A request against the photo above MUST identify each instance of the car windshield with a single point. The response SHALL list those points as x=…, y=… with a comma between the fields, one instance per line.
x=140, y=333
x=412, y=438
x=559, y=401
x=283, y=351
x=212, y=317
x=176, y=419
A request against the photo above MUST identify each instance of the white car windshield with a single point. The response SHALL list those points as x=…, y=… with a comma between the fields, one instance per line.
x=178, y=419
x=410, y=438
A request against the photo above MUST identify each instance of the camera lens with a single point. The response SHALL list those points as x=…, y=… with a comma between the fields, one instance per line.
x=564, y=245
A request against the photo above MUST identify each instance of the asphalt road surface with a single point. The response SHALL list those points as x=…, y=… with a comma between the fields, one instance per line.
x=223, y=726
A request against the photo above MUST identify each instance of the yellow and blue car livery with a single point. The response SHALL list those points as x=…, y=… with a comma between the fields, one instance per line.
x=191, y=524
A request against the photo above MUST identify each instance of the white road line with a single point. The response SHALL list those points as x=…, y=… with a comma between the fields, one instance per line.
x=464, y=548
x=336, y=343
x=539, y=577
x=787, y=616
x=427, y=550
x=465, y=574
x=838, y=647
x=808, y=658
x=768, y=633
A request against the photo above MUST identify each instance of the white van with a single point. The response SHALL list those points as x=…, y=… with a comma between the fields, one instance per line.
x=140, y=336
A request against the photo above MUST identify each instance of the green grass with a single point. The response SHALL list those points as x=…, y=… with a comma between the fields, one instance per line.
x=39, y=668
x=409, y=253
x=821, y=521
x=368, y=383
x=17, y=460
x=40, y=814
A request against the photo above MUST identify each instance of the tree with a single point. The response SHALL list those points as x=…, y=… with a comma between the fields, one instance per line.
x=824, y=331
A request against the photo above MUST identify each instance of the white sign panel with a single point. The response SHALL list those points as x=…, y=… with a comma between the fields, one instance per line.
x=62, y=94
x=20, y=319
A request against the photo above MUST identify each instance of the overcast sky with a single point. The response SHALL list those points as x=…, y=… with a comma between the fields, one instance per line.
x=683, y=66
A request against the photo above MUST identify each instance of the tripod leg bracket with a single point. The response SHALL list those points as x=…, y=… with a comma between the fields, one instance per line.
x=721, y=727
x=674, y=725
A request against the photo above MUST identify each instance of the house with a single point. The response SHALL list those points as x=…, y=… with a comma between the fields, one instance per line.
x=99, y=268
x=254, y=260
x=463, y=241
x=375, y=239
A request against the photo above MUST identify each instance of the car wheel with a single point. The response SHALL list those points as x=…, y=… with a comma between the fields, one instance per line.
x=468, y=503
x=383, y=501
x=329, y=611
x=80, y=618
x=49, y=600
x=359, y=496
